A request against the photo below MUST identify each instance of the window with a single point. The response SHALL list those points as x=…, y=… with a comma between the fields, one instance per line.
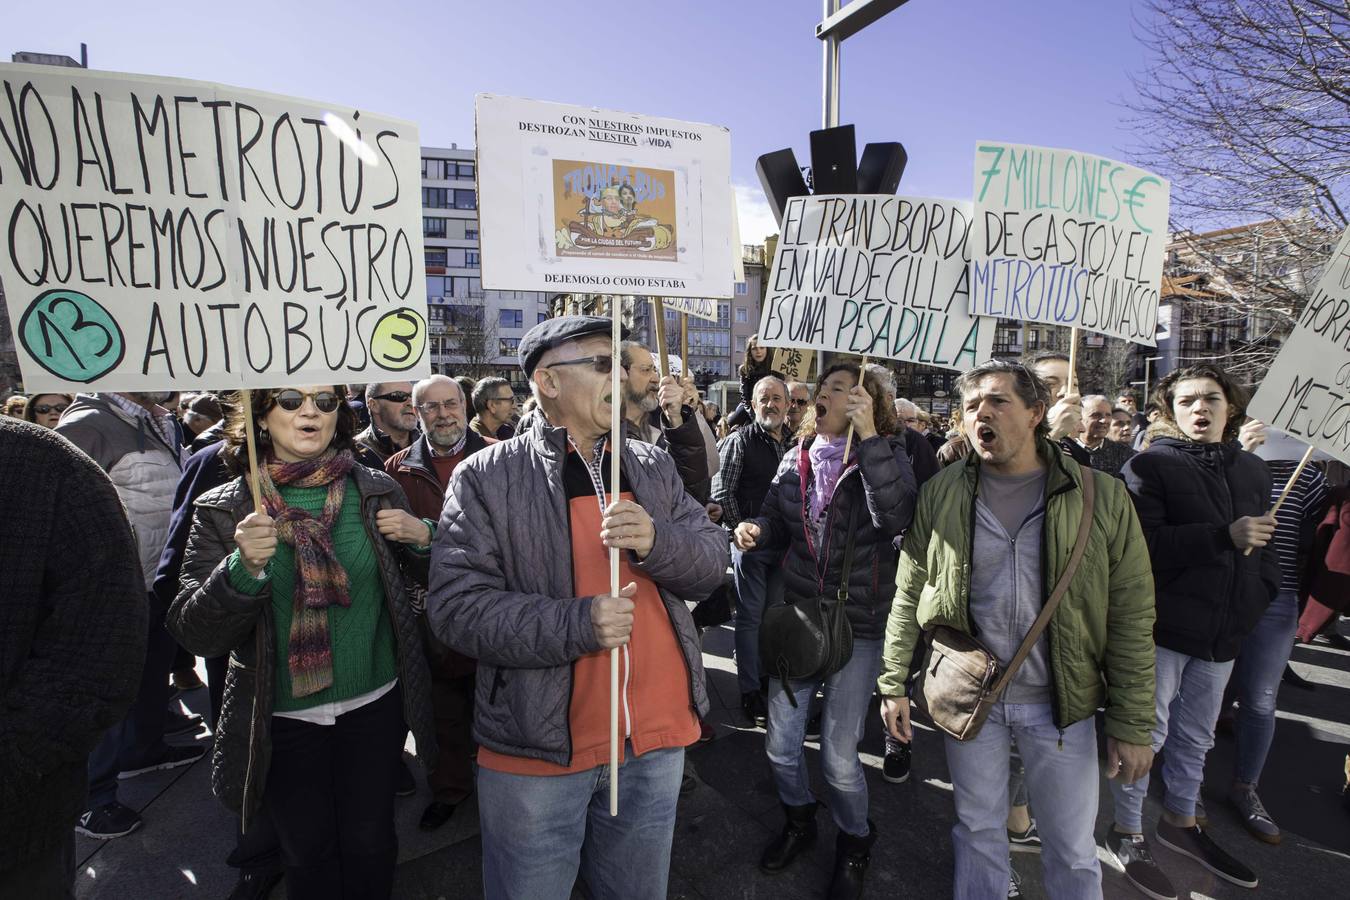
x=512, y=318
x=742, y=314
x=740, y=342
x=433, y=227
x=471, y=259
x=435, y=198
x=508, y=346
x=433, y=168
x=723, y=315
x=465, y=199
x=742, y=289
x=470, y=234
x=465, y=170
x=435, y=256
x=543, y=316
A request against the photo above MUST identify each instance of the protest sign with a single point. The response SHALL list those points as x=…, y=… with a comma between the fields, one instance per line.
x=875, y=275
x=578, y=199
x=162, y=232
x=1067, y=238
x=793, y=363
x=1307, y=390
x=698, y=307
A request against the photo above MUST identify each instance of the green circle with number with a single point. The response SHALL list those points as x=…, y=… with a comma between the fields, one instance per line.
x=399, y=340
x=72, y=336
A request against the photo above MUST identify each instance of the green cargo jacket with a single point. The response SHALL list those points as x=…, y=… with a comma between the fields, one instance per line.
x=1101, y=636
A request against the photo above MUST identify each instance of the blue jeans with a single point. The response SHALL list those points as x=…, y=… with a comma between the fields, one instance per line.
x=1256, y=675
x=1061, y=772
x=1186, y=702
x=751, y=571
x=539, y=829
x=848, y=700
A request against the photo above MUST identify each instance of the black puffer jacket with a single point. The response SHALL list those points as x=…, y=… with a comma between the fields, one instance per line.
x=883, y=480
x=1209, y=596
x=210, y=618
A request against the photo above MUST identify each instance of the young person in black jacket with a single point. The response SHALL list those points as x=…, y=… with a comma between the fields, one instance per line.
x=1202, y=503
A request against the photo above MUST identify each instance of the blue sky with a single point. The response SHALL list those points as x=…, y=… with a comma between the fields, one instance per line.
x=936, y=75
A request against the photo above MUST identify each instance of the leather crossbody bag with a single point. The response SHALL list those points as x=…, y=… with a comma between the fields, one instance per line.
x=961, y=680
x=810, y=639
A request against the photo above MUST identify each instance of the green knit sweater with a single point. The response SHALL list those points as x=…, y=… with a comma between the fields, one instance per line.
x=361, y=635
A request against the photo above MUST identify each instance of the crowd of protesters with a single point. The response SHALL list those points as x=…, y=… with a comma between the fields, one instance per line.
x=432, y=559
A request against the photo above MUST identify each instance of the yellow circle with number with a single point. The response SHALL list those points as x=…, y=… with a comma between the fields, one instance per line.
x=399, y=339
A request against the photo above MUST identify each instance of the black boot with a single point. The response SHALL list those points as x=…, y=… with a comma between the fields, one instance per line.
x=799, y=832
x=851, y=856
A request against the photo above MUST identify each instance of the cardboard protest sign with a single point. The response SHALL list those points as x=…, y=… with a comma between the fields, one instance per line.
x=875, y=275
x=698, y=307
x=162, y=232
x=572, y=198
x=795, y=364
x=1067, y=238
x=1307, y=390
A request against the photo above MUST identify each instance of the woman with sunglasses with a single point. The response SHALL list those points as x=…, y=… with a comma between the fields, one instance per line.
x=46, y=409
x=326, y=671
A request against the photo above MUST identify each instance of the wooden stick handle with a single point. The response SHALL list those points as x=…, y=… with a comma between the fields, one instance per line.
x=848, y=441
x=246, y=398
x=659, y=314
x=685, y=368
x=1298, y=470
x=1073, y=361
x=615, y=452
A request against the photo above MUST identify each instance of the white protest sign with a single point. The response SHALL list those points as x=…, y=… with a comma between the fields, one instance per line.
x=1307, y=390
x=170, y=233
x=698, y=307
x=572, y=198
x=1067, y=238
x=879, y=275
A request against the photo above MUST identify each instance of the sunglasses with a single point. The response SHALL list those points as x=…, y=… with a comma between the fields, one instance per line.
x=43, y=408
x=800, y=403
x=394, y=396
x=291, y=400
x=602, y=364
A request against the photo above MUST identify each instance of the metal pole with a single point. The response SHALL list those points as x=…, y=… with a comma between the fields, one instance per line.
x=830, y=82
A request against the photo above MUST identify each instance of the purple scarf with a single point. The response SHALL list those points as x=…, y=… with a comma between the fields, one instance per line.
x=827, y=464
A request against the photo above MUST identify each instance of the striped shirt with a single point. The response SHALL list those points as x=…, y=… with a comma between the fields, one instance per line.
x=1300, y=513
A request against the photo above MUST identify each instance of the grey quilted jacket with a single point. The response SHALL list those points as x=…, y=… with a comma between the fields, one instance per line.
x=210, y=618
x=501, y=582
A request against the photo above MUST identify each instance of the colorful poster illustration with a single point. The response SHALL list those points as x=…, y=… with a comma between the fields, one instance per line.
x=613, y=212
x=168, y=233
x=577, y=199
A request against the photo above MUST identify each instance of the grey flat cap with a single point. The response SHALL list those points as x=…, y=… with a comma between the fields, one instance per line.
x=552, y=332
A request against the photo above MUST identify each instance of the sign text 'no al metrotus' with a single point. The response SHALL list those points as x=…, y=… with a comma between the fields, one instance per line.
x=1067, y=238
x=162, y=232
x=876, y=274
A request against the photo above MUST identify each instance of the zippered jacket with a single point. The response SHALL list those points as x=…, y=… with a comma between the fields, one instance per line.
x=1210, y=596
x=1101, y=635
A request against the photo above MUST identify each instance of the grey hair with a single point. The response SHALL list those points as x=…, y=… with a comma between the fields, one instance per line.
x=769, y=379
x=1093, y=399
x=1027, y=385
x=885, y=376
x=373, y=390
x=483, y=388
x=419, y=390
x=901, y=401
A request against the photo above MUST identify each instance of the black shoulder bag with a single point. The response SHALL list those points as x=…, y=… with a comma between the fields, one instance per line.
x=810, y=639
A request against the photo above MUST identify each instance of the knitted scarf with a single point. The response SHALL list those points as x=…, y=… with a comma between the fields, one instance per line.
x=320, y=580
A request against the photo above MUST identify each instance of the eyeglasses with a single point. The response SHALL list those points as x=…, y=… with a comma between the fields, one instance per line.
x=510, y=399
x=43, y=408
x=800, y=403
x=602, y=364
x=432, y=407
x=324, y=401
x=394, y=397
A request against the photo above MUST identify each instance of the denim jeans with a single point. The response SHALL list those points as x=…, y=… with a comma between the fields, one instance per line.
x=751, y=571
x=848, y=702
x=1061, y=773
x=539, y=829
x=1256, y=675
x=1186, y=702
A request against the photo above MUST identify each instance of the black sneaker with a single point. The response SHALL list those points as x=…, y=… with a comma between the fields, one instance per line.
x=895, y=767
x=1028, y=841
x=169, y=758
x=1198, y=845
x=752, y=704
x=1134, y=856
x=1014, y=883
x=813, y=728
x=112, y=820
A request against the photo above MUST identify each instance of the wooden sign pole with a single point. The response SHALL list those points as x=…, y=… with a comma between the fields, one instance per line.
x=685, y=368
x=615, y=451
x=848, y=441
x=1073, y=362
x=659, y=314
x=246, y=398
x=1298, y=470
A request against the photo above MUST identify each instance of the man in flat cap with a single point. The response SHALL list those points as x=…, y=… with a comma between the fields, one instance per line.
x=520, y=582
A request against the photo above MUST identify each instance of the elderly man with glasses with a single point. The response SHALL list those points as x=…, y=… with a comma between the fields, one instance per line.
x=520, y=582
x=495, y=404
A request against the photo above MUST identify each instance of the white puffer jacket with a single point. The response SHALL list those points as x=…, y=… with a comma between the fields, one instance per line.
x=142, y=467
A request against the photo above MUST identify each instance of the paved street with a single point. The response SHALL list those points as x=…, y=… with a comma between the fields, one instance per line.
x=726, y=820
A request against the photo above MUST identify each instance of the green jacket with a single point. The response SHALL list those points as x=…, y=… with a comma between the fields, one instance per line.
x=1101, y=636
